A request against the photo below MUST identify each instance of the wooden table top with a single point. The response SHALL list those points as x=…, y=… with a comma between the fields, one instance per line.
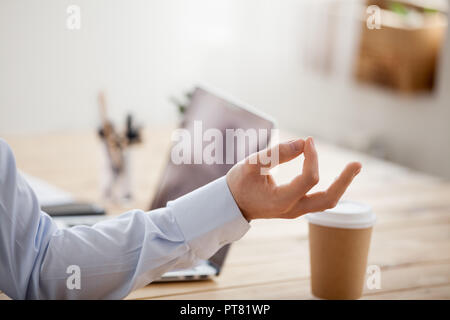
x=410, y=242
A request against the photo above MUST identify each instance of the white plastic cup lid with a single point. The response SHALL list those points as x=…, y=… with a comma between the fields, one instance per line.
x=346, y=214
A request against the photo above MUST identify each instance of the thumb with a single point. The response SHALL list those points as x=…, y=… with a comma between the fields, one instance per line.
x=290, y=150
x=283, y=152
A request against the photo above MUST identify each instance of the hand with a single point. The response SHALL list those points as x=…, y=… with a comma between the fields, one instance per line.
x=259, y=197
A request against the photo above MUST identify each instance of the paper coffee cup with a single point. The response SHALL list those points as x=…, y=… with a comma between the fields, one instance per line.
x=339, y=241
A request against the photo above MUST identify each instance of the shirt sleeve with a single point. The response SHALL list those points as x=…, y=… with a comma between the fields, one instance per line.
x=113, y=257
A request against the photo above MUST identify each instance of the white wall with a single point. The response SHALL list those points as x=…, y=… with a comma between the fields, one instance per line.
x=140, y=52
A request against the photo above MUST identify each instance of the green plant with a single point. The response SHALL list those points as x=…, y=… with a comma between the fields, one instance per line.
x=398, y=8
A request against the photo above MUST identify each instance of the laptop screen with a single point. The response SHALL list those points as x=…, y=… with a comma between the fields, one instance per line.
x=209, y=111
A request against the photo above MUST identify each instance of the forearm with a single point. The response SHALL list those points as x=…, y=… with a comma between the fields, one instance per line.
x=122, y=254
x=115, y=256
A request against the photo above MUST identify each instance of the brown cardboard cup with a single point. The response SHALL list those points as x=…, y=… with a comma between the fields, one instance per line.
x=339, y=241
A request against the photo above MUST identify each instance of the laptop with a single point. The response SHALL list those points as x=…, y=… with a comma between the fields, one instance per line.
x=213, y=109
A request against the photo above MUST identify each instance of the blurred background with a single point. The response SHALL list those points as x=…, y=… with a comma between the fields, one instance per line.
x=369, y=79
x=315, y=66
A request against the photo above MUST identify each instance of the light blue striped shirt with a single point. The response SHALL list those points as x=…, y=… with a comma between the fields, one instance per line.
x=115, y=256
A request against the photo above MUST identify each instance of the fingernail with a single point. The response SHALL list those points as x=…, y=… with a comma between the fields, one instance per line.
x=296, y=145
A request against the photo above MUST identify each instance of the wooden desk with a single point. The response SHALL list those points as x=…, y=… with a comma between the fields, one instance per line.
x=410, y=243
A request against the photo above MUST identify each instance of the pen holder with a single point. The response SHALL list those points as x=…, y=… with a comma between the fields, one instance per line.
x=116, y=175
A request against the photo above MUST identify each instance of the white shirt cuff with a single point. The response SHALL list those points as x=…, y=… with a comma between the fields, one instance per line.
x=209, y=218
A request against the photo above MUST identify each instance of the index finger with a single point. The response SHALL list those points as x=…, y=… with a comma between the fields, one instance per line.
x=309, y=177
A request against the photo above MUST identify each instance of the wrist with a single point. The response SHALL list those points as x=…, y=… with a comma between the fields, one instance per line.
x=234, y=193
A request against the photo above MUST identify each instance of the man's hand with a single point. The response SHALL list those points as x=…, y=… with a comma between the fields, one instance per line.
x=258, y=196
